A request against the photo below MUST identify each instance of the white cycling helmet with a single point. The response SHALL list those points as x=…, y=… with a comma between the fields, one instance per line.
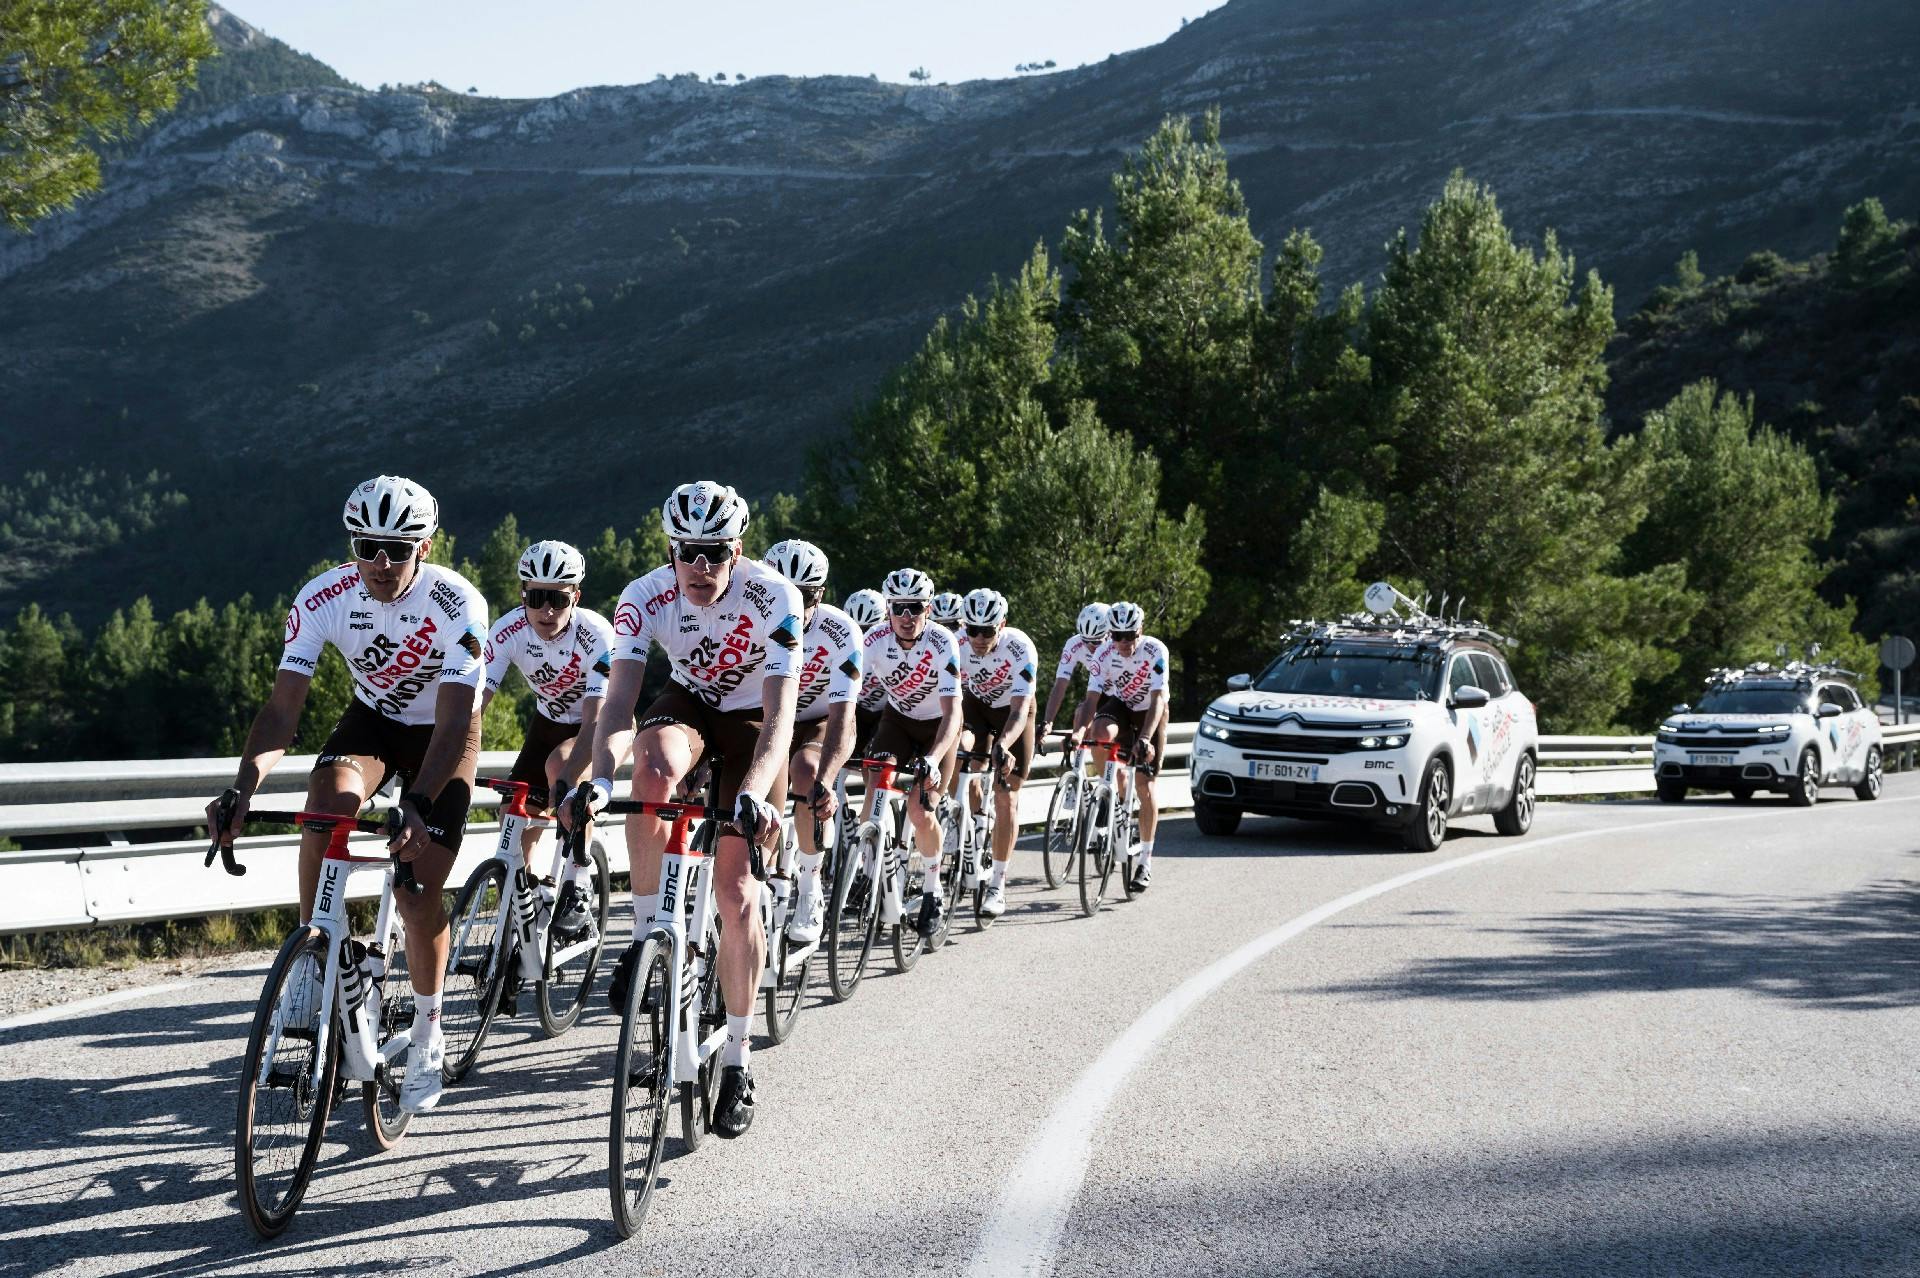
x=866, y=607
x=907, y=583
x=553, y=561
x=705, y=511
x=1125, y=616
x=801, y=562
x=985, y=608
x=1093, y=622
x=946, y=608
x=390, y=506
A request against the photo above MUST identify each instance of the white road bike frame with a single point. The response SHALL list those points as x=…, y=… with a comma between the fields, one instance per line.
x=519, y=914
x=1115, y=781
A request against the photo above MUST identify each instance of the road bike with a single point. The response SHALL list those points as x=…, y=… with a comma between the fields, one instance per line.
x=1065, y=812
x=1104, y=838
x=969, y=838
x=784, y=977
x=500, y=938
x=334, y=1010
x=873, y=877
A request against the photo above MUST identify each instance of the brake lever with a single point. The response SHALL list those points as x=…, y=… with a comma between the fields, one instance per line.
x=229, y=799
x=403, y=877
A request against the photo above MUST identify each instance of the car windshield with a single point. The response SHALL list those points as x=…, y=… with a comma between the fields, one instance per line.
x=1738, y=700
x=1355, y=670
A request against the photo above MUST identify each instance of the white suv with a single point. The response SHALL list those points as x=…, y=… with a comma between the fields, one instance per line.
x=1790, y=729
x=1402, y=723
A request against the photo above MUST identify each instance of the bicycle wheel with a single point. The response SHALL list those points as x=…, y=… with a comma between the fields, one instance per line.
x=638, y=1131
x=1091, y=852
x=1123, y=858
x=853, y=917
x=476, y=965
x=697, y=1095
x=907, y=942
x=786, y=999
x=1057, y=836
x=391, y=1004
x=283, y=1107
x=572, y=959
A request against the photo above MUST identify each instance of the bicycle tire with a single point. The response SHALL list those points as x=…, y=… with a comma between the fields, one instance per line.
x=1095, y=864
x=471, y=993
x=380, y=1098
x=561, y=1001
x=1057, y=838
x=787, y=999
x=852, y=923
x=637, y=1130
x=697, y=1096
x=268, y=1219
x=1123, y=839
x=907, y=941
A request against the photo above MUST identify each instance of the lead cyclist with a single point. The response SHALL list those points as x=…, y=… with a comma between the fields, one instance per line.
x=731, y=630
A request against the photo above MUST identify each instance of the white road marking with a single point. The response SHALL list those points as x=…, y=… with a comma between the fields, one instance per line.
x=61, y=1011
x=1026, y=1227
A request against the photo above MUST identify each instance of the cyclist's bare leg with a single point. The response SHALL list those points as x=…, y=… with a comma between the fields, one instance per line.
x=1006, y=826
x=426, y=919
x=743, y=946
x=1149, y=805
x=803, y=769
x=661, y=757
x=340, y=788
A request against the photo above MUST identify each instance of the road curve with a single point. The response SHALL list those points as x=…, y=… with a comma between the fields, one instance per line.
x=1679, y=1049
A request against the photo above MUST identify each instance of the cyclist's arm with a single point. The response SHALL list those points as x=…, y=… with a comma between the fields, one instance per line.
x=1155, y=711
x=612, y=735
x=778, y=694
x=949, y=733
x=1054, y=699
x=456, y=737
x=837, y=745
x=573, y=770
x=1016, y=719
x=272, y=731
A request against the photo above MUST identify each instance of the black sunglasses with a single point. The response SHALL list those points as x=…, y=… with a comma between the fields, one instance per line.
x=1124, y=636
x=907, y=607
x=398, y=550
x=542, y=597
x=714, y=552
x=980, y=632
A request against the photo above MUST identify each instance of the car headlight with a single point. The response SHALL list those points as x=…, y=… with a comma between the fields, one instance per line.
x=1213, y=730
x=1778, y=729
x=1382, y=743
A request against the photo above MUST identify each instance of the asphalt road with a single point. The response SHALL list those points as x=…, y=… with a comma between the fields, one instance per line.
x=1644, y=1040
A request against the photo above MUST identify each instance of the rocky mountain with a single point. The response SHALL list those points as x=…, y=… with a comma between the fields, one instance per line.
x=565, y=305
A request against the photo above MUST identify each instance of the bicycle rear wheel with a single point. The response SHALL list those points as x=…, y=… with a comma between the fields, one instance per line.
x=786, y=999
x=638, y=1131
x=852, y=919
x=391, y=1005
x=476, y=964
x=1123, y=857
x=573, y=959
x=284, y=1099
x=698, y=1094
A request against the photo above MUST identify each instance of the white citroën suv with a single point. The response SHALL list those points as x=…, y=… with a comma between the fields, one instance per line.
x=1399, y=721
x=1790, y=729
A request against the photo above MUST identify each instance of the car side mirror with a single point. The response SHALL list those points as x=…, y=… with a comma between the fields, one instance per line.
x=1470, y=697
x=1828, y=710
x=1239, y=682
x=1682, y=708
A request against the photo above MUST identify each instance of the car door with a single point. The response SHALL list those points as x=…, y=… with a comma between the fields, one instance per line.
x=1497, y=723
x=1853, y=733
x=1468, y=737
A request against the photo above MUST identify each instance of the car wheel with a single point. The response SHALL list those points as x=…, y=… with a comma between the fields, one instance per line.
x=1214, y=819
x=1805, y=791
x=1517, y=817
x=1671, y=791
x=1428, y=829
x=1869, y=787
x=1742, y=793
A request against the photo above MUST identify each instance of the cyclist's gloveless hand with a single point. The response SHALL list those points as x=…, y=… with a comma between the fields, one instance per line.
x=236, y=819
x=822, y=802
x=755, y=817
x=411, y=839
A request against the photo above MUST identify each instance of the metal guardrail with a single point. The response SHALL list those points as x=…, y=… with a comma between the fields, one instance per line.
x=104, y=878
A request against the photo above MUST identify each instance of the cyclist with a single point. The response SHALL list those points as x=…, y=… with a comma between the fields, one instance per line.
x=410, y=632
x=730, y=627
x=946, y=611
x=823, y=727
x=866, y=609
x=1090, y=631
x=1127, y=702
x=997, y=665
x=918, y=667
x=565, y=652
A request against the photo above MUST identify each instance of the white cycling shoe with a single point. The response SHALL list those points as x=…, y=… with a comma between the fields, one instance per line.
x=994, y=904
x=421, y=1089
x=809, y=913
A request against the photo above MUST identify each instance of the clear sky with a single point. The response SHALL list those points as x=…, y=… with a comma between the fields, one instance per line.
x=536, y=48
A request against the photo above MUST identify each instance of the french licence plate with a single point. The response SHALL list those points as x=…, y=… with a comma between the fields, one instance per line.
x=1711, y=760
x=1272, y=770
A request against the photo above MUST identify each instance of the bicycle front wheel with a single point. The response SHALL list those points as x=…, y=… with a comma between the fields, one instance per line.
x=907, y=942
x=1057, y=836
x=1096, y=864
x=786, y=999
x=638, y=1131
x=698, y=1094
x=573, y=958
x=286, y=1091
x=476, y=965
x=852, y=917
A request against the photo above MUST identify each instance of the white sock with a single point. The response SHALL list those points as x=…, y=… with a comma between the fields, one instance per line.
x=999, y=873
x=1146, y=854
x=739, y=1040
x=426, y=1018
x=810, y=869
x=930, y=875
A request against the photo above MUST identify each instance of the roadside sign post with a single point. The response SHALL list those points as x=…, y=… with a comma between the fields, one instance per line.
x=1896, y=654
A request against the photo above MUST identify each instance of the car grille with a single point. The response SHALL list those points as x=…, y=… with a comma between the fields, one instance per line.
x=1291, y=742
x=1721, y=740
x=1303, y=793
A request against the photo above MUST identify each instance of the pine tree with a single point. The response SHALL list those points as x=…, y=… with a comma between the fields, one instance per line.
x=34, y=715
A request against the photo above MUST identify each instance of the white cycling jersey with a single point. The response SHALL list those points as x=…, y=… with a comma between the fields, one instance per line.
x=565, y=671
x=830, y=664
x=1078, y=652
x=721, y=653
x=398, y=652
x=1005, y=673
x=1131, y=679
x=914, y=679
x=872, y=695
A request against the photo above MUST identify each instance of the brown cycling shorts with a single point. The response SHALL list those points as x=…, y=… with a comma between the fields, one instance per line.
x=543, y=737
x=731, y=734
x=363, y=733
x=983, y=720
x=1118, y=711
